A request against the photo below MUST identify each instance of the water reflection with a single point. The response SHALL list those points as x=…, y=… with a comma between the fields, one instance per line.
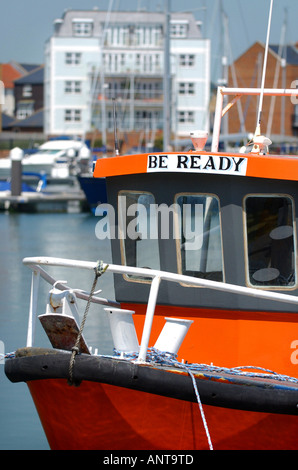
x=59, y=235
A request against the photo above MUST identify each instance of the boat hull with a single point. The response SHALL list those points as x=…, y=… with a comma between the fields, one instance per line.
x=112, y=405
x=94, y=189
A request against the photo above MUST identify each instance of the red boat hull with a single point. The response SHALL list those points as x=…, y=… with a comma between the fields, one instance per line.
x=101, y=416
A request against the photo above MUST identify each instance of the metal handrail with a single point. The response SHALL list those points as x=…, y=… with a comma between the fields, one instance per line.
x=157, y=276
x=225, y=91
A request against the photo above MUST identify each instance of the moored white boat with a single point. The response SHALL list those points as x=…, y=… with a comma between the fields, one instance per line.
x=54, y=158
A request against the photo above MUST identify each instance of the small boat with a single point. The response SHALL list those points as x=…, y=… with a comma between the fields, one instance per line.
x=55, y=158
x=94, y=190
x=204, y=322
x=32, y=182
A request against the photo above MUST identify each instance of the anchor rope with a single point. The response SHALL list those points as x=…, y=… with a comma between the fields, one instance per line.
x=171, y=358
x=166, y=358
x=99, y=270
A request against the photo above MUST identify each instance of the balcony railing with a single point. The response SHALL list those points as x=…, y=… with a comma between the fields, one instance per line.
x=149, y=96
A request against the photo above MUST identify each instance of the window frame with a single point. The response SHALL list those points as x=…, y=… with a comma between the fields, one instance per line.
x=132, y=278
x=82, y=27
x=187, y=60
x=245, y=242
x=72, y=115
x=73, y=59
x=177, y=233
x=72, y=87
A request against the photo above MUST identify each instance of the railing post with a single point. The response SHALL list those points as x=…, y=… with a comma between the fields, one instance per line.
x=217, y=120
x=33, y=308
x=149, y=318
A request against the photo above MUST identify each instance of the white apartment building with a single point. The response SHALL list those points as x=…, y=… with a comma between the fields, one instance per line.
x=94, y=59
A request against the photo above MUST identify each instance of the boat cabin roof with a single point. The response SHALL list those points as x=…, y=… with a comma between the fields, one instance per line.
x=237, y=164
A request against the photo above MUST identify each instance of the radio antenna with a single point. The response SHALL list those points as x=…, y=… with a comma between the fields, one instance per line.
x=258, y=127
x=115, y=128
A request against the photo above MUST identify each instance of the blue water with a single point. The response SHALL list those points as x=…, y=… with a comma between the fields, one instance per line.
x=59, y=235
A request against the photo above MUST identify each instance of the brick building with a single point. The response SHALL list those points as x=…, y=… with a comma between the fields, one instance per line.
x=280, y=73
x=28, y=93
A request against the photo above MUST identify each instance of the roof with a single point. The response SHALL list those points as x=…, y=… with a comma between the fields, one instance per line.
x=9, y=74
x=6, y=121
x=290, y=53
x=34, y=77
x=35, y=120
x=131, y=18
x=29, y=67
x=13, y=71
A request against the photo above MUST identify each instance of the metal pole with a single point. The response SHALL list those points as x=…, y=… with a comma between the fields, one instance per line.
x=16, y=156
x=149, y=318
x=166, y=80
x=217, y=120
x=33, y=308
x=258, y=127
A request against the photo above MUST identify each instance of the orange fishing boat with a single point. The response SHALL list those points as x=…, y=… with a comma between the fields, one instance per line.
x=204, y=251
x=205, y=318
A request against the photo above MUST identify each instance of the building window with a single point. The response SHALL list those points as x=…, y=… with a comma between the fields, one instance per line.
x=178, y=30
x=186, y=117
x=138, y=230
x=72, y=115
x=270, y=241
x=24, y=109
x=27, y=91
x=147, y=119
x=186, y=88
x=82, y=28
x=73, y=58
x=199, y=241
x=186, y=60
x=73, y=86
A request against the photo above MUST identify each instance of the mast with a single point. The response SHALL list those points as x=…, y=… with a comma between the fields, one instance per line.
x=258, y=126
x=279, y=64
x=166, y=80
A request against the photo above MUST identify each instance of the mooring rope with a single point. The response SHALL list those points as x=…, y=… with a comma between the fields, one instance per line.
x=169, y=359
x=165, y=358
x=99, y=270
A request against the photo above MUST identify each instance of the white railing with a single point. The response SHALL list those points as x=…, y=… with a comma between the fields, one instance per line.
x=237, y=93
x=157, y=276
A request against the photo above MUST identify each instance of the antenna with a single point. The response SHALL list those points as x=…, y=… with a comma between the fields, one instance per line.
x=115, y=128
x=258, y=127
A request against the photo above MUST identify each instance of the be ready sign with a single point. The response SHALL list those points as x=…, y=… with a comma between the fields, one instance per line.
x=221, y=164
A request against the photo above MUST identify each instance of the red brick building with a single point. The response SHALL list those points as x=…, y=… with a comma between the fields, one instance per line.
x=280, y=73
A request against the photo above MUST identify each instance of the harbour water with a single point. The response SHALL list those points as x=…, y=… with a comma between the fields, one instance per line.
x=69, y=236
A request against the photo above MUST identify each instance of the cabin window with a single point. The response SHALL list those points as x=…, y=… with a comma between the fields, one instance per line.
x=270, y=241
x=199, y=236
x=138, y=230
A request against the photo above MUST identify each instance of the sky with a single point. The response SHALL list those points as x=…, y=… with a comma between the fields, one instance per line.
x=25, y=25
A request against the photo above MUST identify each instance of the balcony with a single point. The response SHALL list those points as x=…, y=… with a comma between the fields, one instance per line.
x=139, y=98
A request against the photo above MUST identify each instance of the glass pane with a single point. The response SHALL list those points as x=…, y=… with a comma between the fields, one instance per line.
x=270, y=240
x=200, y=237
x=138, y=230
